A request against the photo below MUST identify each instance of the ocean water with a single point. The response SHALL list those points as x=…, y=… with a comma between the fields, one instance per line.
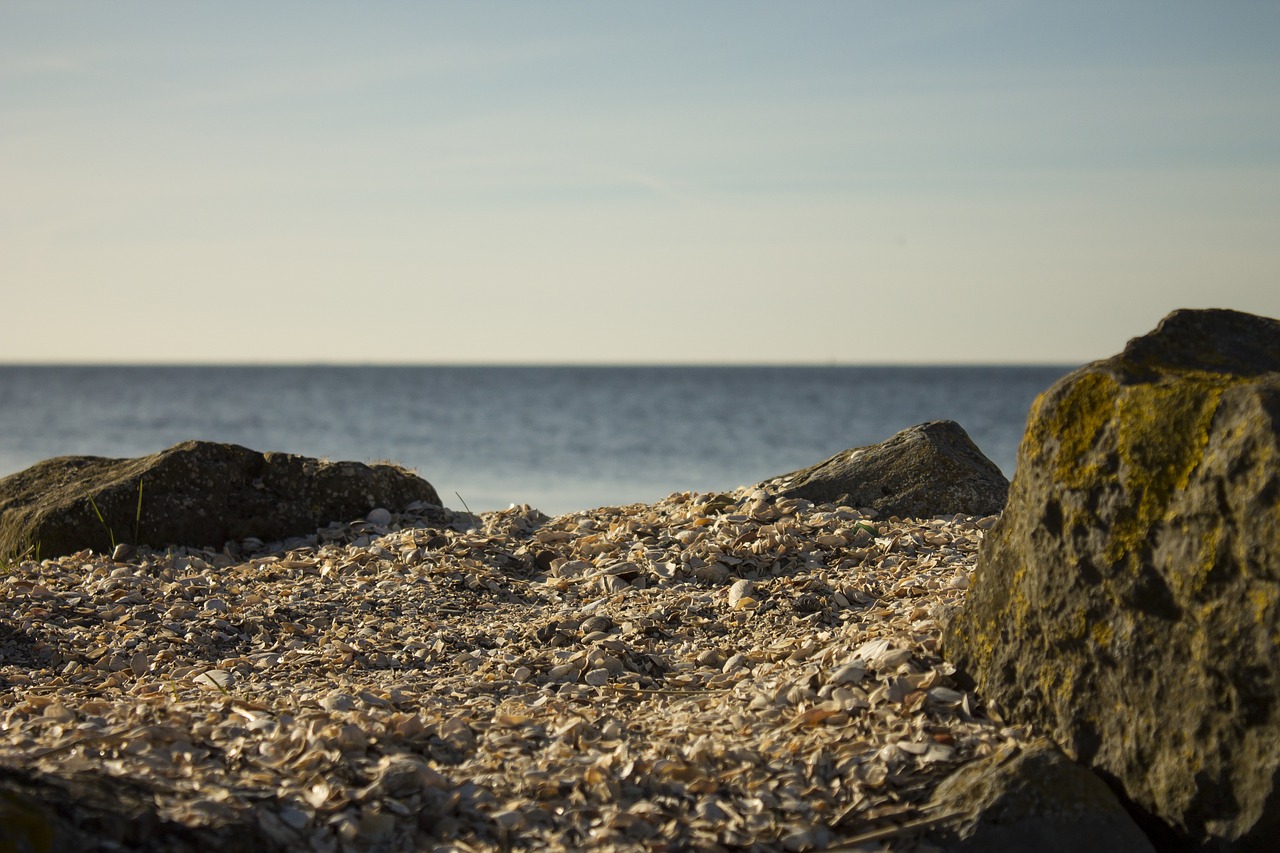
x=558, y=438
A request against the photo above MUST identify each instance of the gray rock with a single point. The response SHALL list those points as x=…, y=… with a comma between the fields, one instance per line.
x=1127, y=603
x=92, y=812
x=930, y=469
x=1032, y=800
x=196, y=493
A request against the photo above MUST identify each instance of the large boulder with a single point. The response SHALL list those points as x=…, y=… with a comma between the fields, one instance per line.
x=930, y=469
x=196, y=493
x=1031, y=799
x=1126, y=603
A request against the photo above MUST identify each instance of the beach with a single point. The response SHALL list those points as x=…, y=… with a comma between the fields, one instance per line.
x=709, y=671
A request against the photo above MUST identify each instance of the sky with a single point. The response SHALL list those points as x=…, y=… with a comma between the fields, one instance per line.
x=711, y=181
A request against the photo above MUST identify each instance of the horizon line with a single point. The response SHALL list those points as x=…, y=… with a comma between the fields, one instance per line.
x=541, y=364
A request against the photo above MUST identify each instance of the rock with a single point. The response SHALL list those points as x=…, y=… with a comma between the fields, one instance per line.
x=930, y=469
x=197, y=493
x=93, y=812
x=1126, y=603
x=1032, y=799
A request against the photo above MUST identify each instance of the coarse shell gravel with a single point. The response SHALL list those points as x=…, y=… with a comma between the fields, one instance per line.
x=707, y=672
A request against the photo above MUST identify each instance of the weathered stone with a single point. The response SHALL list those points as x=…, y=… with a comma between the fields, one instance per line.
x=1032, y=799
x=196, y=493
x=930, y=469
x=1126, y=603
x=93, y=812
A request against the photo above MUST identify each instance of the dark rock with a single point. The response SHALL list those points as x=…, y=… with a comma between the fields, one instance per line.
x=197, y=493
x=930, y=469
x=89, y=812
x=1127, y=603
x=1032, y=799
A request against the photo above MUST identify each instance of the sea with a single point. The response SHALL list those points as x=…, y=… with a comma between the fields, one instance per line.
x=557, y=438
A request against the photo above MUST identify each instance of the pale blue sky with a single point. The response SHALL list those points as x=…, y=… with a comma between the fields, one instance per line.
x=630, y=182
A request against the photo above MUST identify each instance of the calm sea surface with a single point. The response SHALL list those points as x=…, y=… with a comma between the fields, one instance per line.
x=559, y=438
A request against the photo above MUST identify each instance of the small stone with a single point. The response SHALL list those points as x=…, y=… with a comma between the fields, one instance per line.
x=295, y=818
x=376, y=826
x=338, y=702
x=563, y=672
x=58, y=712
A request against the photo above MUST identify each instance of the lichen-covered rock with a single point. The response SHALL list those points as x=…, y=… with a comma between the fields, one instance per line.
x=1126, y=603
x=930, y=469
x=196, y=493
x=1032, y=799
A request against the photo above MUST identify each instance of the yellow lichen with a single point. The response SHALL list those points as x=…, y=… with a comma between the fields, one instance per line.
x=1075, y=423
x=1263, y=599
x=1164, y=429
x=1102, y=633
x=1189, y=579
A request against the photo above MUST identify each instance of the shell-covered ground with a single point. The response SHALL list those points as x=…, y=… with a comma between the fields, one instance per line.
x=715, y=671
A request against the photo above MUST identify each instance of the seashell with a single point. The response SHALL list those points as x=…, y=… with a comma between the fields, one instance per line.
x=626, y=570
x=215, y=679
x=138, y=663
x=938, y=753
x=850, y=673
x=613, y=584
x=596, y=623
x=716, y=573
x=913, y=747
x=318, y=794
x=741, y=589
x=946, y=696
x=881, y=656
